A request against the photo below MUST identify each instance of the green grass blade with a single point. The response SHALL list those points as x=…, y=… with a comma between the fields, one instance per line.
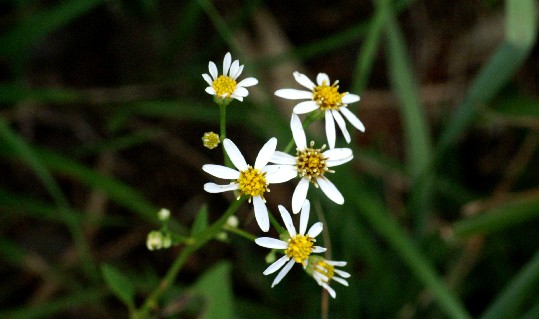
x=216, y=287
x=516, y=291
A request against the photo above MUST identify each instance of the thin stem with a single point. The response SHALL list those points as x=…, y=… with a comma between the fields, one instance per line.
x=239, y=232
x=199, y=240
x=222, y=131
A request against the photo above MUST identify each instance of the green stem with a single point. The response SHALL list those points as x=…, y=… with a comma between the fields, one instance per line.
x=199, y=240
x=239, y=232
x=222, y=131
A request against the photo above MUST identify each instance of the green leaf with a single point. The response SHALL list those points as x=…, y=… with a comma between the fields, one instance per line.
x=119, y=284
x=216, y=287
x=201, y=221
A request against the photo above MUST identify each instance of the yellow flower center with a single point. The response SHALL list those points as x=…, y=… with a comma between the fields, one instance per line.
x=311, y=162
x=328, y=96
x=299, y=248
x=224, y=86
x=325, y=269
x=210, y=140
x=252, y=182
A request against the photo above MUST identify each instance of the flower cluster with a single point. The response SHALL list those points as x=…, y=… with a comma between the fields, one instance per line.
x=309, y=163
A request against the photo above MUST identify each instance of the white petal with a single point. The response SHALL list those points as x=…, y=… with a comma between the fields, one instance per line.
x=304, y=217
x=235, y=155
x=214, y=188
x=213, y=70
x=330, y=290
x=342, y=125
x=234, y=68
x=340, y=280
x=297, y=132
x=283, y=272
x=226, y=63
x=283, y=158
x=272, y=243
x=208, y=79
x=241, y=91
x=238, y=72
x=293, y=94
x=305, y=107
x=341, y=273
x=248, y=82
x=210, y=90
x=276, y=265
x=287, y=219
x=304, y=80
x=321, y=77
x=221, y=171
x=261, y=213
x=337, y=263
x=266, y=152
x=350, y=98
x=315, y=230
x=330, y=190
x=280, y=173
x=330, y=129
x=352, y=118
x=338, y=156
x=300, y=194
x=318, y=249
x=237, y=97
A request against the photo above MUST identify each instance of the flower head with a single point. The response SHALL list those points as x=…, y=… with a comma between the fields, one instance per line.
x=325, y=97
x=252, y=181
x=210, y=140
x=312, y=165
x=158, y=240
x=225, y=87
x=324, y=271
x=297, y=246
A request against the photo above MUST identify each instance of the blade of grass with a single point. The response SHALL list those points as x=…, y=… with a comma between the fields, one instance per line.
x=515, y=292
x=532, y=314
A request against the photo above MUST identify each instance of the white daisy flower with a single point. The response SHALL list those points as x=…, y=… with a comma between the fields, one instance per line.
x=297, y=247
x=249, y=180
x=324, y=271
x=327, y=98
x=225, y=85
x=310, y=164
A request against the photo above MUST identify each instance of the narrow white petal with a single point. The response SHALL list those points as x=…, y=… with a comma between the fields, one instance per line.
x=340, y=280
x=304, y=217
x=330, y=190
x=350, y=98
x=276, y=265
x=235, y=155
x=241, y=91
x=352, y=118
x=330, y=129
x=210, y=90
x=226, y=63
x=237, y=97
x=287, y=219
x=300, y=194
x=208, y=79
x=272, y=243
x=315, y=230
x=336, y=263
x=214, y=188
x=293, y=94
x=283, y=158
x=238, y=72
x=338, y=156
x=341, y=273
x=283, y=272
x=280, y=173
x=305, y=107
x=213, y=70
x=261, y=213
x=248, y=82
x=266, y=152
x=304, y=80
x=221, y=171
x=321, y=77
x=330, y=290
x=342, y=125
x=297, y=132
x=234, y=68
x=318, y=249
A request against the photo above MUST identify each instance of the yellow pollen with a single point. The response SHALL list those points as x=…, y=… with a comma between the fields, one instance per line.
x=311, y=162
x=299, y=248
x=224, y=86
x=328, y=96
x=210, y=140
x=325, y=269
x=252, y=182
